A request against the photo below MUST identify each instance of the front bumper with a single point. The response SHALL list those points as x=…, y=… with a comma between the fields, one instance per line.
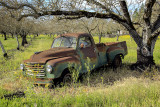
x=41, y=81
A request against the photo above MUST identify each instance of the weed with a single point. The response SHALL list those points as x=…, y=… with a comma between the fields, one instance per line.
x=89, y=67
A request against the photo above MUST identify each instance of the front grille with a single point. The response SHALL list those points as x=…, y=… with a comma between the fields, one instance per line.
x=35, y=69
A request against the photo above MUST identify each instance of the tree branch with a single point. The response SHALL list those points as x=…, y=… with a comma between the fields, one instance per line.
x=93, y=28
x=76, y=14
x=156, y=24
x=148, y=11
x=155, y=35
x=125, y=11
x=70, y=18
x=100, y=5
x=27, y=15
x=129, y=25
x=18, y=7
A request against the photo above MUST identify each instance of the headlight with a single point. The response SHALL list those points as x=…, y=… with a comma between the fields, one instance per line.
x=49, y=68
x=22, y=66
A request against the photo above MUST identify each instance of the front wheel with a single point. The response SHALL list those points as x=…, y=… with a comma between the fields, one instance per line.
x=67, y=79
x=117, y=62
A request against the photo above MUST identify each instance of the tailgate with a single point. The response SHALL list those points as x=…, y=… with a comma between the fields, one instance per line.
x=124, y=46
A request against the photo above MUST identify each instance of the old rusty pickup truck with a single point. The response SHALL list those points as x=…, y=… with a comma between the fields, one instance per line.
x=72, y=49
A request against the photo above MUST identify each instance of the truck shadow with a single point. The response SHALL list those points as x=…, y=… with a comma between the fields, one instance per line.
x=108, y=76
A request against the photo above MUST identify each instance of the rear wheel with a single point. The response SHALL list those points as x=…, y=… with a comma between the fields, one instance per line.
x=117, y=62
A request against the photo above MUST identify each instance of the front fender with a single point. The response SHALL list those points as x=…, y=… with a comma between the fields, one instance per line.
x=60, y=64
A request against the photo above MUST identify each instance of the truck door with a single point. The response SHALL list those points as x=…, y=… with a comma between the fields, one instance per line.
x=87, y=53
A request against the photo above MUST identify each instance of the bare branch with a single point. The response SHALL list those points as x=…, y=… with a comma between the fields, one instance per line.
x=78, y=14
x=117, y=9
x=70, y=18
x=93, y=28
x=136, y=23
x=129, y=25
x=158, y=2
x=125, y=11
x=155, y=35
x=18, y=7
x=156, y=24
x=27, y=15
x=148, y=11
x=99, y=4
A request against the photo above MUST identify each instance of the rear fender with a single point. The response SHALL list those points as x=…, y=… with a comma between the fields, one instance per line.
x=59, y=65
x=114, y=51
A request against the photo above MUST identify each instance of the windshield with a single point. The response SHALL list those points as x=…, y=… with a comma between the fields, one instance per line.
x=69, y=42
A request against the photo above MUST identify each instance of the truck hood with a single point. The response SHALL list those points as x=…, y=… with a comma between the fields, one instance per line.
x=53, y=53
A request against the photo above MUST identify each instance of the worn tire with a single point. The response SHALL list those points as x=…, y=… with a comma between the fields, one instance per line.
x=67, y=79
x=117, y=62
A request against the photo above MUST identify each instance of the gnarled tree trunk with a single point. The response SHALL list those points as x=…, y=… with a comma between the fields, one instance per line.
x=143, y=58
x=145, y=51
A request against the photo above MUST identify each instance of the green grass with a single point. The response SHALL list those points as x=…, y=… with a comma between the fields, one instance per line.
x=129, y=92
x=107, y=88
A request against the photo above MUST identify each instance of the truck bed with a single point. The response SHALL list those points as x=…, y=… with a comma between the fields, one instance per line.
x=104, y=46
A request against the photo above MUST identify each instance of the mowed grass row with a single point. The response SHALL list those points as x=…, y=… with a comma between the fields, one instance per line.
x=107, y=88
x=11, y=43
x=16, y=57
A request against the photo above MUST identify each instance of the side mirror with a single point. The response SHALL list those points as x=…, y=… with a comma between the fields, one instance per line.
x=81, y=45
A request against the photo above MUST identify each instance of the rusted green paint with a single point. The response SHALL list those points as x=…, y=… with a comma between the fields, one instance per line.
x=60, y=58
x=62, y=63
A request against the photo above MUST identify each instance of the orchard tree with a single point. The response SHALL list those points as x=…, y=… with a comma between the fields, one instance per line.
x=117, y=10
x=25, y=28
x=5, y=23
x=89, y=25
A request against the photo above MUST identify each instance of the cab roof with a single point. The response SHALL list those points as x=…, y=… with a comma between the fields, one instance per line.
x=75, y=34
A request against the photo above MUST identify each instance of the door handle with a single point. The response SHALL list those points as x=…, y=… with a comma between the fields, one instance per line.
x=94, y=49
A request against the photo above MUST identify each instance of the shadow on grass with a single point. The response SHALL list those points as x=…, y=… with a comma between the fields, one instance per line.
x=105, y=76
x=17, y=94
x=108, y=76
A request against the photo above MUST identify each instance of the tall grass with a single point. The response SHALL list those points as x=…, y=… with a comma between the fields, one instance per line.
x=106, y=87
x=129, y=92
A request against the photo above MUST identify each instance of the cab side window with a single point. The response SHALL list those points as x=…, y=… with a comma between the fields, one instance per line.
x=86, y=41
